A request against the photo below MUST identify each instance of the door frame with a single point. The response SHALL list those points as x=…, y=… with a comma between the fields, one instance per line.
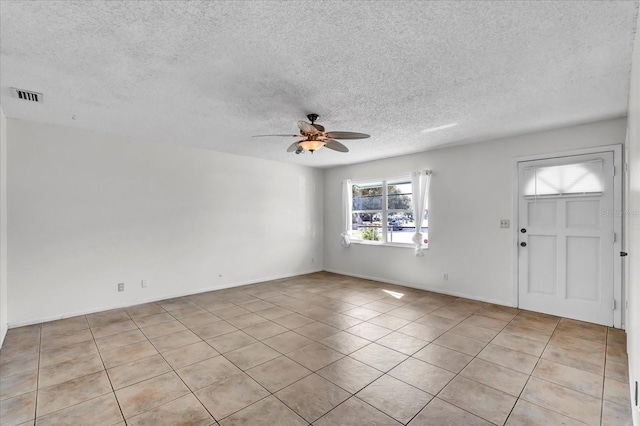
x=618, y=294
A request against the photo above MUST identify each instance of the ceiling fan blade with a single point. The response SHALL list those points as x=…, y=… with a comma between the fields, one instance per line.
x=347, y=135
x=292, y=147
x=336, y=146
x=320, y=127
x=307, y=128
x=262, y=136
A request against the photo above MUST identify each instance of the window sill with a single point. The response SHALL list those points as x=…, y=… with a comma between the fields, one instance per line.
x=399, y=245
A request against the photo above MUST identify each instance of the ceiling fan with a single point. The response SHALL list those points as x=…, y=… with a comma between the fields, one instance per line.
x=314, y=137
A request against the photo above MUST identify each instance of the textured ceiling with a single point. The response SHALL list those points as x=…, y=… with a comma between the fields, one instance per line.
x=212, y=74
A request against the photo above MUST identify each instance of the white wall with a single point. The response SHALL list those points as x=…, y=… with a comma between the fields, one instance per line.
x=471, y=190
x=88, y=211
x=3, y=225
x=633, y=220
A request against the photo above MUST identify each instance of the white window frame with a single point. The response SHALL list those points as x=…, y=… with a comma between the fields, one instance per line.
x=385, y=214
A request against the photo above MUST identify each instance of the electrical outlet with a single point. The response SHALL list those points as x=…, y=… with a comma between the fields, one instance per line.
x=504, y=223
x=446, y=277
x=144, y=284
x=120, y=286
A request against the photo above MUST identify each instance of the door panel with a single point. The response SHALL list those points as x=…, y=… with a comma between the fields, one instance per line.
x=565, y=266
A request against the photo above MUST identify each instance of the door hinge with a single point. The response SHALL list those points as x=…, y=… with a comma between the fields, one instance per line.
x=623, y=253
x=614, y=237
x=613, y=305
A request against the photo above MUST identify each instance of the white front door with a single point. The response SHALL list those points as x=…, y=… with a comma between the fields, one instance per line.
x=566, y=237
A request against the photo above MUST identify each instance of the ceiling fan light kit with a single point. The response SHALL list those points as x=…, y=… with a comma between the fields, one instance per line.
x=315, y=137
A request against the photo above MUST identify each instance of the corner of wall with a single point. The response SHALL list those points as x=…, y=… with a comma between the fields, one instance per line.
x=3, y=226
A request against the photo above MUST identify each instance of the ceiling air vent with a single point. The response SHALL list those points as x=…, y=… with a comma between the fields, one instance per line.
x=27, y=95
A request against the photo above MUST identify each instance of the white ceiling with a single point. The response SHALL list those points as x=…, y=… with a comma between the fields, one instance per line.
x=212, y=74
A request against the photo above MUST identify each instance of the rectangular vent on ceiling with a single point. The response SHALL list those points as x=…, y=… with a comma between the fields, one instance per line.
x=27, y=95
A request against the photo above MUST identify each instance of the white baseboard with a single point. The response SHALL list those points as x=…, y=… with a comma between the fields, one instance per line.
x=156, y=299
x=426, y=287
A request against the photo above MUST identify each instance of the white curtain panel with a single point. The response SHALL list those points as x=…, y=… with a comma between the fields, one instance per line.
x=420, y=182
x=347, y=202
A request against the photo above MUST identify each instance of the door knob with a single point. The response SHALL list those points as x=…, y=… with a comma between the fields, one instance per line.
x=524, y=231
x=523, y=244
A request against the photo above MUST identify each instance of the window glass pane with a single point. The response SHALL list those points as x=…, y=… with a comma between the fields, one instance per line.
x=367, y=196
x=580, y=178
x=399, y=195
x=367, y=226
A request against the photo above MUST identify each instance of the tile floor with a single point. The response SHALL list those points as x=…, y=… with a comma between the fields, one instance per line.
x=318, y=349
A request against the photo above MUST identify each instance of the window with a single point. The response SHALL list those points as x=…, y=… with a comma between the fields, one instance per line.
x=568, y=179
x=382, y=213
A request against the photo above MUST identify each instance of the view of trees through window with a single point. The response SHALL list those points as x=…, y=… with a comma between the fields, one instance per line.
x=382, y=212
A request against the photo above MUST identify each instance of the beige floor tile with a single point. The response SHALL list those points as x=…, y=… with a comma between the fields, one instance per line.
x=66, y=339
x=231, y=341
x=217, y=305
x=404, y=343
x=23, y=364
x=265, y=330
x=19, y=409
x=451, y=313
x=505, y=357
x=395, y=398
x=12, y=350
x=288, y=342
x=17, y=384
x=379, y=357
x=584, y=330
x=154, y=319
x=354, y=412
x=244, y=321
x=176, y=304
x=257, y=305
x=184, y=411
x=249, y=356
x=230, y=311
x=369, y=331
x=268, y=411
x=523, y=330
x=520, y=344
x=363, y=314
x=439, y=412
x=215, y=329
x=422, y=375
x=573, y=378
x=616, y=415
x=438, y=322
x=144, y=310
x=496, y=376
x=486, y=322
x=406, y=313
x=190, y=354
x=583, y=360
x=617, y=370
x=151, y=393
x=66, y=394
x=345, y=342
x=536, y=321
x=207, y=372
x=380, y=306
x=274, y=312
x=342, y=321
x=421, y=331
x=616, y=336
x=460, y=343
x=293, y=321
x=616, y=392
x=200, y=319
x=483, y=334
x=163, y=329
x=476, y=398
x=570, y=403
x=124, y=354
x=349, y=374
x=120, y=340
x=528, y=414
x=137, y=371
x=315, y=356
x=67, y=353
x=113, y=328
x=312, y=397
x=443, y=357
x=174, y=340
x=64, y=326
x=230, y=395
x=278, y=373
x=102, y=410
x=107, y=317
x=316, y=330
x=388, y=321
x=188, y=312
x=69, y=370
x=566, y=340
